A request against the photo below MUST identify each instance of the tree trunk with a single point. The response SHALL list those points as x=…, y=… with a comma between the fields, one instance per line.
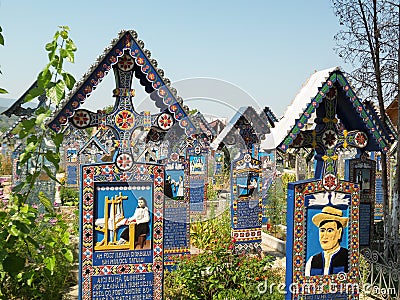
x=396, y=200
x=378, y=76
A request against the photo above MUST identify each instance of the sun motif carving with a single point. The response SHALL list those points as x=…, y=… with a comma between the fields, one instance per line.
x=81, y=119
x=361, y=139
x=165, y=121
x=329, y=138
x=125, y=120
x=124, y=161
x=330, y=182
x=126, y=63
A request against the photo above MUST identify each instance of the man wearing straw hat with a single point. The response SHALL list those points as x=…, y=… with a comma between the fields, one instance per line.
x=333, y=259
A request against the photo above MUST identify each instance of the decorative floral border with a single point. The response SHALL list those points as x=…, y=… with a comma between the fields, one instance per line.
x=252, y=234
x=110, y=173
x=298, y=246
x=334, y=77
x=153, y=80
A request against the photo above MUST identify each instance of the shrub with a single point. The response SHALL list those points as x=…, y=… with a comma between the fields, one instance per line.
x=217, y=272
x=69, y=196
x=212, y=192
x=36, y=257
x=207, y=234
x=221, y=274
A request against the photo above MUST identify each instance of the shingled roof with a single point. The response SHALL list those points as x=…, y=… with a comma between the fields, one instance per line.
x=350, y=110
x=146, y=71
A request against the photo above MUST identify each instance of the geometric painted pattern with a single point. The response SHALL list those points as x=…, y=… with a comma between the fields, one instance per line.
x=190, y=177
x=110, y=173
x=247, y=236
x=165, y=121
x=297, y=242
x=152, y=78
x=317, y=100
x=327, y=137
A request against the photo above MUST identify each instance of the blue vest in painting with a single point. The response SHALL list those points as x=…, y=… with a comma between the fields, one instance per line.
x=339, y=263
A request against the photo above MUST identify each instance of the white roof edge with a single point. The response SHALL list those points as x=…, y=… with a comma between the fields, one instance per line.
x=308, y=91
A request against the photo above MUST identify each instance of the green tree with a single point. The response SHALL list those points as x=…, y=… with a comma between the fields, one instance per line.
x=35, y=255
x=276, y=203
x=69, y=196
x=108, y=109
x=2, y=91
x=370, y=41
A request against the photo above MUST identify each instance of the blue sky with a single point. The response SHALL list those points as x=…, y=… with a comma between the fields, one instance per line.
x=263, y=50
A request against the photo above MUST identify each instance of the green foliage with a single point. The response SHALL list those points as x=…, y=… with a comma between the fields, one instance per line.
x=207, y=234
x=276, y=204
x=89, y=131
x=219, y=272
x=35, y=255
x=193, y=111
x=109, y=108
x=286, y=178
x=212, y=192
x=52, y=81
x=2, y=91
x=69, y=196
x=1, y=37
x=222, y=180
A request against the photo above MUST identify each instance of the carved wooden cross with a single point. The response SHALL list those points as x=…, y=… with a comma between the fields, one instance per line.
x=327, y=137
x=123, y=119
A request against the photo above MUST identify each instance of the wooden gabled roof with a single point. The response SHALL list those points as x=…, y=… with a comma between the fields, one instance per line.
x=146, y=71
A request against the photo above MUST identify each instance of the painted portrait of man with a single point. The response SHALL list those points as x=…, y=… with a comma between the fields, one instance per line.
x=333, y=258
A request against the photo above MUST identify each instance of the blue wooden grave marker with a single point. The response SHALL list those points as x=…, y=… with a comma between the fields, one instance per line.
x=197, y=178
x=246, y=206
x=268, y=166
x=177, y=211
x=122, y=246
x=363, y=171
x=378, y=212
x=309, y=205
x=341, y=121
x=110, y=266
x=244, y=133
x=178, y=194
x=73, y=142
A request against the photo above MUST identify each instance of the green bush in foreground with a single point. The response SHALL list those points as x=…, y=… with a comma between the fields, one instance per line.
x=36, y=257
x=221, y=274
x=217, y=272
x=69, y=196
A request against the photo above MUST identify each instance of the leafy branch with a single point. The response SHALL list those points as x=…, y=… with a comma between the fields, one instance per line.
x=52, y=83
x=35, y=255
x=2, y=91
